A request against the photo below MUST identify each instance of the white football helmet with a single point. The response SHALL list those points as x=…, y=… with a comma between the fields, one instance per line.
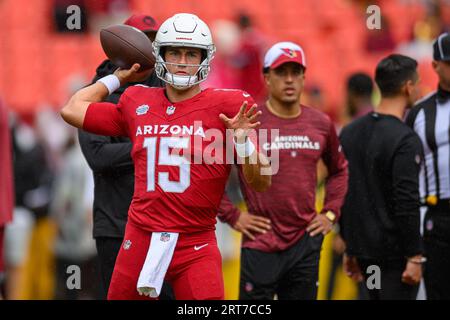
x=183, y=30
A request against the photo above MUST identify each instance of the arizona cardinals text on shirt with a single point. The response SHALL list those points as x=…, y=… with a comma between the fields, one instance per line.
x=292, y=142
x=300, y=143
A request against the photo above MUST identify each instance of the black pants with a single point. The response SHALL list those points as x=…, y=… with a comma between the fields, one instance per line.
x=291, y=274
x=437, y=250
x=391, y=285
x=108, y=249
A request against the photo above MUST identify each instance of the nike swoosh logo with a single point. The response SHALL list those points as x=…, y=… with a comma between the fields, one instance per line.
x=199, y=247
x=246, y=95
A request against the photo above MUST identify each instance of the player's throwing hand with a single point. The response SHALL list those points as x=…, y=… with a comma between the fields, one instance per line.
x=242, y=121
x=132, y=74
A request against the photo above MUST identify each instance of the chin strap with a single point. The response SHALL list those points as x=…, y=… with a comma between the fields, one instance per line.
x=181, y=82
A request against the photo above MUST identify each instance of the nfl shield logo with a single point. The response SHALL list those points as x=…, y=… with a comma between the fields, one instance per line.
x=170, y=110
x=165, y=237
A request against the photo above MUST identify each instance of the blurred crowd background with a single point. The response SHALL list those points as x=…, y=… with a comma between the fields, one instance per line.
x=42, y=63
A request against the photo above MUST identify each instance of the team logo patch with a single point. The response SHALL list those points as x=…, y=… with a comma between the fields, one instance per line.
x=196, y=248
x=149, y=21
x=126, y=244
x=170, y=110
x=290, y=53
x=165, y=236
x=143, y=109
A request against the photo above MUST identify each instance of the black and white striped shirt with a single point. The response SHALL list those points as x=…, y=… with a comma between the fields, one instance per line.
x=430, y=119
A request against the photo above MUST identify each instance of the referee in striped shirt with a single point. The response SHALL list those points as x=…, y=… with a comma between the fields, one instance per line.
x=430, y=118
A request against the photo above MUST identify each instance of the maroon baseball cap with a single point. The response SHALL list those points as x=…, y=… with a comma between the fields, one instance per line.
x=142, y=22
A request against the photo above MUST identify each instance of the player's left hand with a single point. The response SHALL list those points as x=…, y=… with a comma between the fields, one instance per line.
x=242, y=122
x=320, y=224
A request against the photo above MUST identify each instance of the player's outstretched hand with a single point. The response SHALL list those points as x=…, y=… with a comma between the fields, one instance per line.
x=242, y=122
x=249, y=223
x=132, y=74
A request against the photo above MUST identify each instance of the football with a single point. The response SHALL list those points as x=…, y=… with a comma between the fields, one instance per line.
x=125, y=45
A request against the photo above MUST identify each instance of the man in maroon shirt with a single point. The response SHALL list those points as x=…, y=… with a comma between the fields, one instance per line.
x=283, y=257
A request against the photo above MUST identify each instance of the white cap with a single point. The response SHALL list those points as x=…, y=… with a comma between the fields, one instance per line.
x=283, y=52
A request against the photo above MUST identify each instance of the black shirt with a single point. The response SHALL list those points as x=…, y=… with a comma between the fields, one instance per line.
x=113, y=169
x=380, y=217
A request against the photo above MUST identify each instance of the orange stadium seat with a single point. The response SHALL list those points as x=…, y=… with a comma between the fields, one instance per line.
x=325, y=28
x=445, y=14
x=428, y=77
x=401, y=17
x=297, y=21
x=209, y=15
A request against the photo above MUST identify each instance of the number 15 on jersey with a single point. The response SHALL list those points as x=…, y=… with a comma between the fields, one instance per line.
x=165, y=158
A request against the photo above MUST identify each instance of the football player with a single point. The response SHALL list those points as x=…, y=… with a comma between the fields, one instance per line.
x=170, y=230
